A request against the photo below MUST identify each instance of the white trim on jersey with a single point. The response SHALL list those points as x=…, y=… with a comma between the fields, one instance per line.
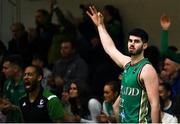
x=50, y=97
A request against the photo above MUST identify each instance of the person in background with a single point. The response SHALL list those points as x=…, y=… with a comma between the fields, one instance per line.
x=171, y=68
x=37, y=60
x=39, y=105
x=111, y=91
x=45, y=30
x=65, y=29
x=19, y=42
x=76, y=100
x=114, y=26
x=165, y=94
x=167, y=114
x=70, y=66
x=13, y=87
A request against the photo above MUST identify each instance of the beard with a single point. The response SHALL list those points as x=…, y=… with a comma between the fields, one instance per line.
x=32, y=87
x=137, y=52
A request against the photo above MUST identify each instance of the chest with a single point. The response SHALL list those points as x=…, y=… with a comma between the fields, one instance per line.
x=36, y=111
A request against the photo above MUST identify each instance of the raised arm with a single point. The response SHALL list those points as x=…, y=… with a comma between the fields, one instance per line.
x=108, y=44
x=150, y=79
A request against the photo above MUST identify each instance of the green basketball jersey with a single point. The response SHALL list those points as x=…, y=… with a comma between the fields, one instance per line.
x=134, y=104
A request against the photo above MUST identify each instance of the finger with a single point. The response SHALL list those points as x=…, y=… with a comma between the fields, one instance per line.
x=94, y=9
x=100, y=15
x=91, y=10
x=89, y=14
x=165, y=18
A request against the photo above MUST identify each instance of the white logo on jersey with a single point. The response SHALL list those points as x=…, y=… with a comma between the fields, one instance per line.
x=24, y=104
x=41, y=104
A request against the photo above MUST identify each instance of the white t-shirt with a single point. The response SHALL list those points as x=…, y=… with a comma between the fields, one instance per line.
x=168, y=118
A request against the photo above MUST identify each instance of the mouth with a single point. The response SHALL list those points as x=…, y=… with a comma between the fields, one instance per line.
x=132, y=48
x=27, y=84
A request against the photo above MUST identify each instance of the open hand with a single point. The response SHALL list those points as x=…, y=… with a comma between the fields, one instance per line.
x=165, y=22
x=96, y=16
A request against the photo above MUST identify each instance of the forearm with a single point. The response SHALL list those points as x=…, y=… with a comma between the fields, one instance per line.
x=164, y=40
x=116, y=108
x=106, y=40
x=155, y=113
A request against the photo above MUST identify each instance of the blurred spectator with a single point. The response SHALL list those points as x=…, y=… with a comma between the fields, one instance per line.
x=19, y=42
x=13, y=87
x=45, y=29
x=149, y=53
x=111, y=92
x=70, y=66
x=165, y=94
x=171, y=67
x=86, y=32
x=114, y=26
x=101, y=68
x=34, y=43
x=38, y=61
x=65, y=29
x=78, y=99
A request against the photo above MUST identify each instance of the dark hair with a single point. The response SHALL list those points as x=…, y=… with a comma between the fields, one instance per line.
x=38, y=70
x=19, y=25
x=166, y=86
x=15, y=59
x=83, y=97
x=140, y=33
x=38, y=57
x=114, y=85
x=68, y=40
x=173, y=48
x=44, y=12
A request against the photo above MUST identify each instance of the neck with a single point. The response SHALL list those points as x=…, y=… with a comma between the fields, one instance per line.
x=33, y=95
x=136, y=59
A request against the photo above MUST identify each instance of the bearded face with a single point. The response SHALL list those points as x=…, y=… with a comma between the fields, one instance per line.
x=31, y=79
x=135, y=45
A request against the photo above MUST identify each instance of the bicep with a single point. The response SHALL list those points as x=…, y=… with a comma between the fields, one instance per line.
x=150, y=79
x=119, y=58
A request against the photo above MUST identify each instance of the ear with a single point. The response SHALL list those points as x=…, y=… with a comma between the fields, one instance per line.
x=40, y=78
x=145, y=45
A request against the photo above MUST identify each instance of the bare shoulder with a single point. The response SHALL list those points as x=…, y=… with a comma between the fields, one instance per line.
x=148, y=71
x=148, y=68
